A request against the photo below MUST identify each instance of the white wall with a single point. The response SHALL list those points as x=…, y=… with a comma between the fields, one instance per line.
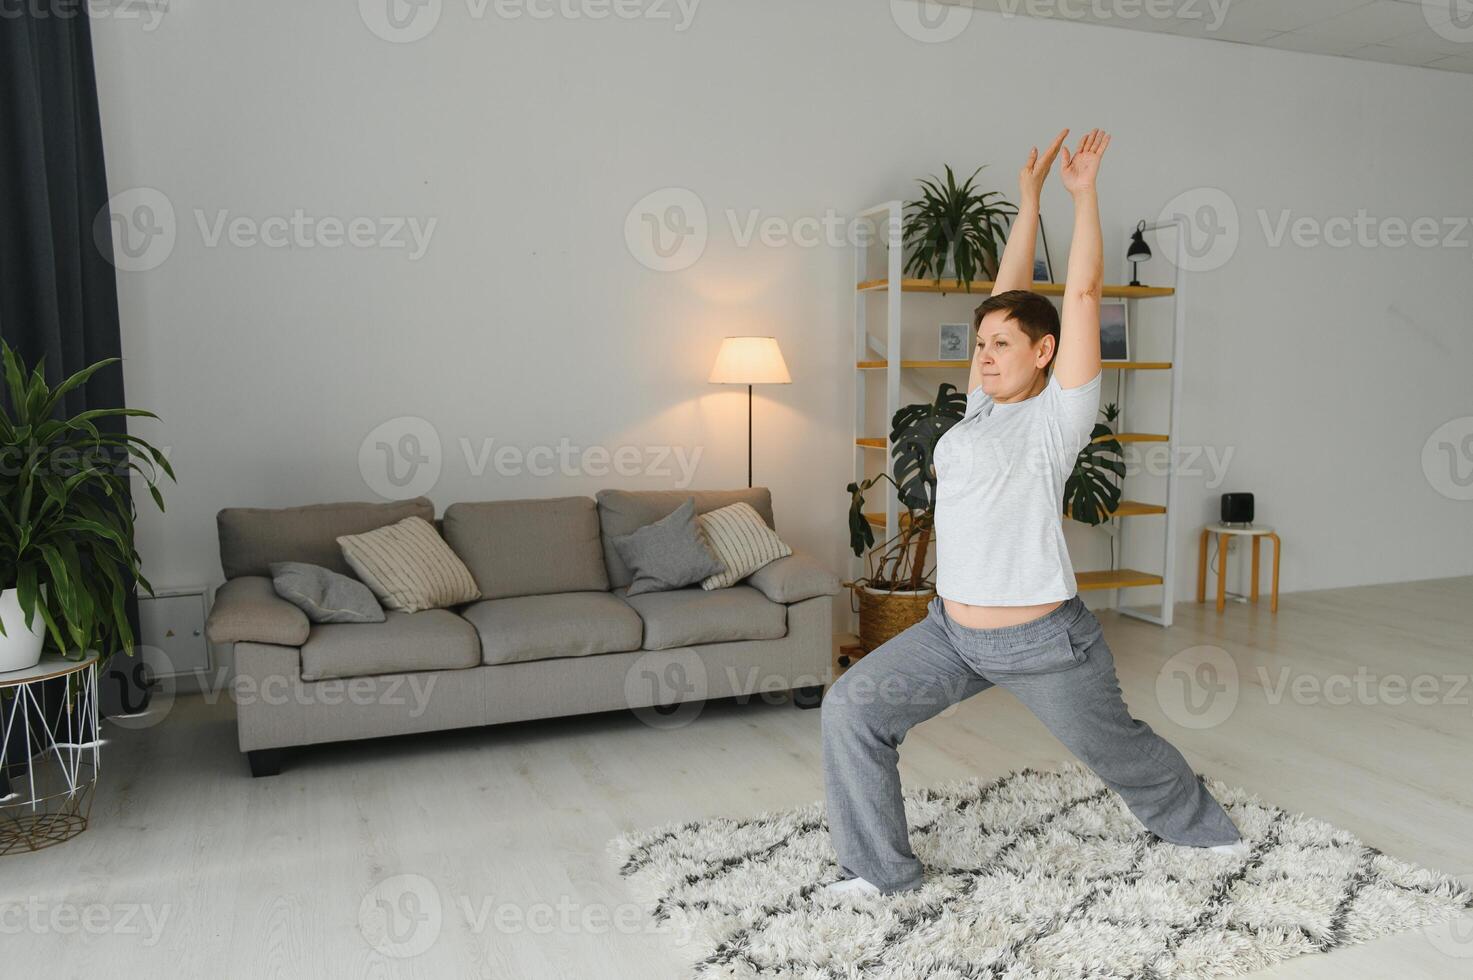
x=527, y=321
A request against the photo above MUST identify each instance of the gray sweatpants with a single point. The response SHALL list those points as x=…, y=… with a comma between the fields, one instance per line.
x=1060, y=668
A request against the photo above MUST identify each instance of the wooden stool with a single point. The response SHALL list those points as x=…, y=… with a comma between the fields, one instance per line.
x=1255, y=531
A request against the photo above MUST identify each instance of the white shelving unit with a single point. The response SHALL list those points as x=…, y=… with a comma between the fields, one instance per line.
x=872, y=356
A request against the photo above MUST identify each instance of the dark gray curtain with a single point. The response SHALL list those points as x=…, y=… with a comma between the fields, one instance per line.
x=58, y=293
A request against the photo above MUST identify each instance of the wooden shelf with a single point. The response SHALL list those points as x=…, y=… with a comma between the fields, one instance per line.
x=877, y=518
x=1117, y=578
x=885, y=310
x=1133, y=508
x=870, y=443
x=983, y=288
x=1106, y=365
x=1127, y=508
x=881, y=365
x=1134, y=437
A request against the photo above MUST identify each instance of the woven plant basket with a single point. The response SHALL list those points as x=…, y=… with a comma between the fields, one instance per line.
x=883, y=614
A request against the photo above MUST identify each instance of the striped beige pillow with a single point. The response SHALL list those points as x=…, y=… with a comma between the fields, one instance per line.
x=409, y=566
x=741, y=539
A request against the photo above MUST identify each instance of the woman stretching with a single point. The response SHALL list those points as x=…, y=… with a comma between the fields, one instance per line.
x=1007, y=611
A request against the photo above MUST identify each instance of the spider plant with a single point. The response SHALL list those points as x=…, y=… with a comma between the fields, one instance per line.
x=956, y=222
x=66, y=516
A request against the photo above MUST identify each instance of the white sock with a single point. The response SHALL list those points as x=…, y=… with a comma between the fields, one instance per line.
x=1238, y=849
x=851, y=885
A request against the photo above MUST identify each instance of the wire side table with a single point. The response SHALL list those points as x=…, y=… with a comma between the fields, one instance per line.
x=50, y=749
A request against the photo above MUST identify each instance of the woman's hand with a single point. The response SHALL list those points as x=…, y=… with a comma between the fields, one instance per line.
x=1079, y=171
x=1035, y=171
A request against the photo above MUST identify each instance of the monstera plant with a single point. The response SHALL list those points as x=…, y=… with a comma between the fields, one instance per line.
x=914, y=431
x=896, y=590
x=1090, y=495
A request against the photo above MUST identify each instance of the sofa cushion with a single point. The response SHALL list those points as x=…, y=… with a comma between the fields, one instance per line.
x=564, y=624
x=325, y=596
x=683, y=617
x=669, y=553
x=409, y=566
x=529, y=547
x=794, y=578
x=248, y=610
x=741, y=541
x=622, y=512
x=435, y=639
x=251, y=538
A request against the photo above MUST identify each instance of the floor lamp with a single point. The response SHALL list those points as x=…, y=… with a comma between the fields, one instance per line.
x=749, y=361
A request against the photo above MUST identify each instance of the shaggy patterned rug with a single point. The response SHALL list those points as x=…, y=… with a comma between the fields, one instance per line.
x=1035, y=875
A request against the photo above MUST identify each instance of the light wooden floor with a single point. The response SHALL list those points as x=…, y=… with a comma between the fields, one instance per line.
x=266, y=878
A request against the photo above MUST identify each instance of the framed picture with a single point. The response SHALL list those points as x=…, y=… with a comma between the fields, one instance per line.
x=956, y=342
x=1043, y=263
x=1114, y=332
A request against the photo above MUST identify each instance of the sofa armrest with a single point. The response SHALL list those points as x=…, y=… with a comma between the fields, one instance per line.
x=794, y=578
x=248, y=610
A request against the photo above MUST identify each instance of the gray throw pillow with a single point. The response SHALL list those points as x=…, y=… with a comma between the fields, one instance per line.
x=669, y=553
x=324, y=595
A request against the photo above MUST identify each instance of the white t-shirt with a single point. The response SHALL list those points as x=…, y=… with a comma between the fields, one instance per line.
x=1000, y=476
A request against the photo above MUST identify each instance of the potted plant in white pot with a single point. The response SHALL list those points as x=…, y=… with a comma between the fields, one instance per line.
x=67, y=561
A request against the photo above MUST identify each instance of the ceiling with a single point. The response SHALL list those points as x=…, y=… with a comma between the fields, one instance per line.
x=1422, y=33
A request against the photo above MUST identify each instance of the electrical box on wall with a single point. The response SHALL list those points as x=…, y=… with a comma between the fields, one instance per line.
x=171, y=632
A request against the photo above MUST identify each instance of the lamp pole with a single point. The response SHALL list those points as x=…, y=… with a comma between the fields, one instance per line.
x=749, y=437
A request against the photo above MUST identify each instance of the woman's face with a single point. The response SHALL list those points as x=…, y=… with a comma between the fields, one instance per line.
x=1009, y=363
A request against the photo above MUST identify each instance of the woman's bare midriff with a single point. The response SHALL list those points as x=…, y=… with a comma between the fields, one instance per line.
x=991, y=617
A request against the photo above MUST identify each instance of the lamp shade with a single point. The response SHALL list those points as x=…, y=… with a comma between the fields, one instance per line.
x=750, y=361
x=1139, y=251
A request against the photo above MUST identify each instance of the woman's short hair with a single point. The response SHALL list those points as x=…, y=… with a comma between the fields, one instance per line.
x=1034, y=314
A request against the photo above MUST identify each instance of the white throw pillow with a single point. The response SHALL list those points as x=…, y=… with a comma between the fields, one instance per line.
x=741, y=539
x=409, y=566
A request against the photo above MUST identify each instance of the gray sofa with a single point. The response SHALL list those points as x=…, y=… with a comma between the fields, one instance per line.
x=553, y=635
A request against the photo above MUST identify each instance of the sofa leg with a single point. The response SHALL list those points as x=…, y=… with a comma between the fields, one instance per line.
x=808, y=697
x=266, y=762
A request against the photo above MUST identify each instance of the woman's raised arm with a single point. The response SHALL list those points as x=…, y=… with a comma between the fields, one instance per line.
x=1015, y=268
x=1078, y=357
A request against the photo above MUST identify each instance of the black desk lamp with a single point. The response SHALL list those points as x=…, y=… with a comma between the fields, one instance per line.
x=1139, y=252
